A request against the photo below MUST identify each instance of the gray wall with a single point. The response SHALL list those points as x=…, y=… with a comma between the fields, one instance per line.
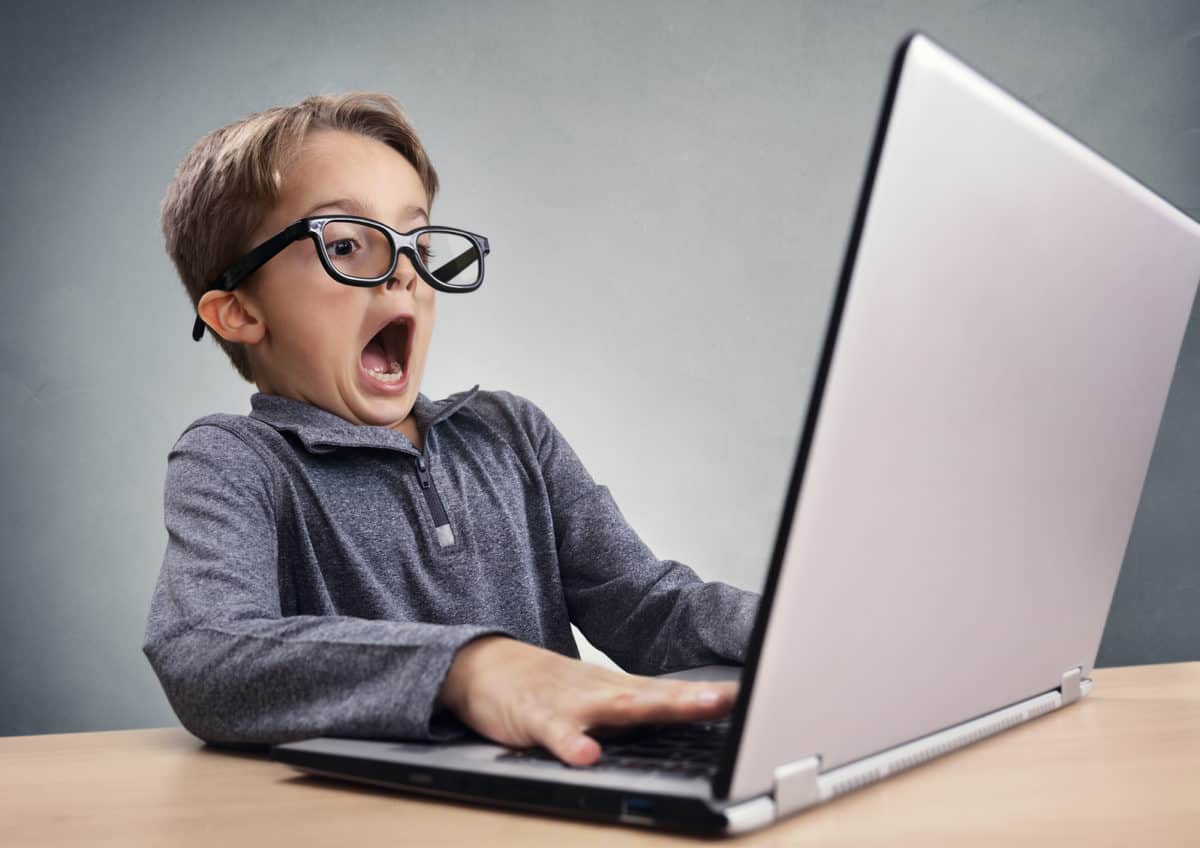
x=668, y=188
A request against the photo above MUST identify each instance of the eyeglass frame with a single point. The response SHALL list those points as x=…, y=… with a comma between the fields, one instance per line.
x=314, y=226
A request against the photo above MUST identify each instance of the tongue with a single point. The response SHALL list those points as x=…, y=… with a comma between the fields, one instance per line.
x=373, y=356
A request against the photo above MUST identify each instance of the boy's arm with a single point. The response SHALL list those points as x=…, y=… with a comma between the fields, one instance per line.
x=233, y=669
x=647, y=614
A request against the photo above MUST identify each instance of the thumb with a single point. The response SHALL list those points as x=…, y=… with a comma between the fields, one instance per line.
x=567, y=741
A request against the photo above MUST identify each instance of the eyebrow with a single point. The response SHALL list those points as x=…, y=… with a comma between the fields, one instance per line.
x=353, y=206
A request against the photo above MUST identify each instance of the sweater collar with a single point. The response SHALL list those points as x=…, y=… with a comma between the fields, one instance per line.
x=321, y=431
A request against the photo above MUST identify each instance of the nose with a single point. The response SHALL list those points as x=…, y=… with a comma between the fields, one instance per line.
x=405, y=274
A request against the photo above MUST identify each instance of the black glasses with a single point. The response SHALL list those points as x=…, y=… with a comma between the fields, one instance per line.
x=364, y=252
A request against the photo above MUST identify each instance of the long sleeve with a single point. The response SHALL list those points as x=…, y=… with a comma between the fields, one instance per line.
x=649, y=615
x=233, y=669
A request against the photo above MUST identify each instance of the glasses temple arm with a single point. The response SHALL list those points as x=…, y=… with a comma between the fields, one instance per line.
x=249, y=263
x=455, y=265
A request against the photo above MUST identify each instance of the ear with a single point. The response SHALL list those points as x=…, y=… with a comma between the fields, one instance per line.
x=231, y=316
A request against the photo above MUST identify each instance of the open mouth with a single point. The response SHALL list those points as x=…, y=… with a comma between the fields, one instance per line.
x=385, y=356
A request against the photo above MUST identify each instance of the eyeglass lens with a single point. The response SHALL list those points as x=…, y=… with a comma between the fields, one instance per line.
x=365, y=252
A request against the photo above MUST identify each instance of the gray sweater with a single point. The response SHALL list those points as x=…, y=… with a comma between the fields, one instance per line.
x=320, y=575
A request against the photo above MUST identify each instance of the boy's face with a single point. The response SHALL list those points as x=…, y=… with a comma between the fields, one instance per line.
x=315, y=329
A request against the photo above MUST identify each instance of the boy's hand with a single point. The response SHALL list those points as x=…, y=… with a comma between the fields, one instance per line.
x=521, y=695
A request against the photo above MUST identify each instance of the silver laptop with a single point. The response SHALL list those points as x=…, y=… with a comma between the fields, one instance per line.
x=997, y=360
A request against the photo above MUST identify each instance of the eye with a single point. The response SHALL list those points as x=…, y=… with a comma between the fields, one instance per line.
x=340, y=247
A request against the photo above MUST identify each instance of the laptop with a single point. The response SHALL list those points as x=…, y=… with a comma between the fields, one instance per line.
x=995, y=368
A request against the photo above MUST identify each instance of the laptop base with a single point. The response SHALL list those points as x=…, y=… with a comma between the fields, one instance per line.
x=797, y=786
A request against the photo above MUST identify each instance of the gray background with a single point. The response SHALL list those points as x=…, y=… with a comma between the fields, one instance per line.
x=668, y=188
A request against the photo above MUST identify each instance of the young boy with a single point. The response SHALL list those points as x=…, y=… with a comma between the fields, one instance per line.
x=353, y=558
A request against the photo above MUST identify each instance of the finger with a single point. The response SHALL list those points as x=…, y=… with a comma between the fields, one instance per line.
x=567, y=741
x=690, y=701
x=655, y=701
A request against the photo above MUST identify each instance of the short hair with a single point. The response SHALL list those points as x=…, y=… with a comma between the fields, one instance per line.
x=229, y=181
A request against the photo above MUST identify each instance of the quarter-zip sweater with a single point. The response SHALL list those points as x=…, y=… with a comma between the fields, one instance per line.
x=319, y=575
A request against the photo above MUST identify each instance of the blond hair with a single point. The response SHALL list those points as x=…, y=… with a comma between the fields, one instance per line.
x=229, y=181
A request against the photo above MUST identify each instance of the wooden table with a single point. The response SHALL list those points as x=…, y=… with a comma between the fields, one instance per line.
x=1121, y=767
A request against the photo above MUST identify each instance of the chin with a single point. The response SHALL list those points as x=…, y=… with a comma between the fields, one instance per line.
x=384, y=411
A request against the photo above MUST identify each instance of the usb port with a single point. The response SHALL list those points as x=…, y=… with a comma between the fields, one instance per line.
x=637, y=810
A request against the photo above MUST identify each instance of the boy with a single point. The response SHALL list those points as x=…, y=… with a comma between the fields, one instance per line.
x=352, y=558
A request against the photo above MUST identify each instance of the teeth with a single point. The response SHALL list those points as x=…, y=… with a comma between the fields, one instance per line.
x=393, y=374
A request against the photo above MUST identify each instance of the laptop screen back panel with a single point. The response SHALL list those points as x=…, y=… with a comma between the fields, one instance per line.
x=1007, y=340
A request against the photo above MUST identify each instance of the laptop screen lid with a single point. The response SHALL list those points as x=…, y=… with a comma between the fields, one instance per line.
x=996, y=365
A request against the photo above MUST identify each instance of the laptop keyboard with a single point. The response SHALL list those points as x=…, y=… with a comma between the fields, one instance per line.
x=682, y=750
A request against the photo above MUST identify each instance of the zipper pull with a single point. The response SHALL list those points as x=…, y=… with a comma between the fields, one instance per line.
x=422, y=472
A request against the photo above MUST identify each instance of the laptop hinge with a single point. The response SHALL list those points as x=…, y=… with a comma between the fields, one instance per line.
x=796, y=785
x=1070, y=685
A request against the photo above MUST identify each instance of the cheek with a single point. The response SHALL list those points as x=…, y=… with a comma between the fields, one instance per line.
x=319, y=321
x=421, y=343
x=427, y=303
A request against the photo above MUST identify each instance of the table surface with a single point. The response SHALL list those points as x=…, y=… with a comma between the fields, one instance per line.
x=1121, y=766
